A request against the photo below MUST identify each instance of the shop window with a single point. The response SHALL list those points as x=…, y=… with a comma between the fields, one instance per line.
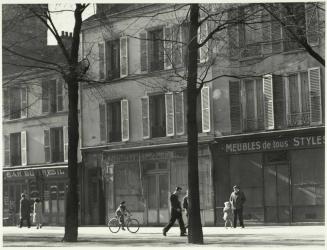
x=114, y=121
x=52, y=96
x=276, y=156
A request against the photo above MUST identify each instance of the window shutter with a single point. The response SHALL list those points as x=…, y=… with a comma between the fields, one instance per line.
x=7, y=150
x=5, y=104
x=205, y=108
x=102, y=66
x=170, y=123
x=315, y=95
x=23, y=143
x=24, y=104
x=185, y=39
x=312, y=23
x=144, y=52
x=235, y=106
x=266, y=32
x=102, y=115
x=124, y=120
x=47, y=146
x=179, y=113
x=268, y=102
x=233, y=36
x=276, y=36
x=65, y=132
x=123, y=56
x=145, y=117
x=205, y=48
x=45, y=96
x=60, y=96
x=177, y=53
x=168, y=47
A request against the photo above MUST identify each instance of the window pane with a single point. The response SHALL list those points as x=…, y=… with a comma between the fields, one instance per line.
x=250, y=104
x=114, y=121
x=15, y=149
x=152, y=193
x=158, y=116
x=163, y=191
x=53, y=96
x=294, y=116
x=15, y=102
x=156, y=50
x=57, y=147
x=305, y=98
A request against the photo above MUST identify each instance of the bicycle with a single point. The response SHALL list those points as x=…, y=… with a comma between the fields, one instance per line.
x=132, y=224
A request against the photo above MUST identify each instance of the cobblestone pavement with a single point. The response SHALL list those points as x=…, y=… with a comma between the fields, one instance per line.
x=249, y=237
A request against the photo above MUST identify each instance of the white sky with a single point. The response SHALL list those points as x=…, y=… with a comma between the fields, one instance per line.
x=64, y=20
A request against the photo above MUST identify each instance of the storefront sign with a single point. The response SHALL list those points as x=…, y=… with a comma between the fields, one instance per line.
x=34, y=172
x=274, y=144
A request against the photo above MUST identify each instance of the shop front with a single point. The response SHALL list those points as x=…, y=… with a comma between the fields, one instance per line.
x=281, y=174
x=145, y=178
x=48, y=184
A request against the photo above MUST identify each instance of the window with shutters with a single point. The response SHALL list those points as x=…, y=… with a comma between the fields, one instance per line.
x=15, y=103
x=55, y=144
x=114, y=121
x=113, y=59
x=157, y=115
x=15, y=149
x=53, y=92
x=155, y=49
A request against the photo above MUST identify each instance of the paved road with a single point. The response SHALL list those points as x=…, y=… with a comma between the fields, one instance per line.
x=255, y=236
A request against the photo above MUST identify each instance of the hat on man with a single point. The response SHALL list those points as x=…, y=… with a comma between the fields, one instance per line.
x=122, y=203
x=236, y=186
x=22, y=195
x=178, y=189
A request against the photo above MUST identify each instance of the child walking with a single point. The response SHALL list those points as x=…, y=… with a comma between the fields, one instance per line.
x=228, y=214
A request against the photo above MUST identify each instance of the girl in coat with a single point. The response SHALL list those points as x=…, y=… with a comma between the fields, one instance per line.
x=37, y=216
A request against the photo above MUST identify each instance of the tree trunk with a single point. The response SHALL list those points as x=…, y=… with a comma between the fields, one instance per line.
x=195, y=234
x=71, y=225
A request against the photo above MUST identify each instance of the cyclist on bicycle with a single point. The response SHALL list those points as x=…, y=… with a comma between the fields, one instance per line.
x=121, y=212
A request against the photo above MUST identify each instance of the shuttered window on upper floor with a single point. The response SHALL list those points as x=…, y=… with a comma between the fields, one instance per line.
x=15, y=149
x=15, y=103
x=53, y=95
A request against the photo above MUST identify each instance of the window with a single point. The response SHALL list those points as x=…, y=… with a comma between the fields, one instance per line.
x=157, y=116
x=52, y=96
x=251, y=104
x=15, y=104
x=113, y=58
x=156, y=50
x=15, y=149
x=114, y=121
x=56, y=144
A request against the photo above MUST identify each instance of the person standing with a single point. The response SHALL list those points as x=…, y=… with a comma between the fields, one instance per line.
x=237, y=199
x=37, y=215
x=25, y=211
x=185, y=206
x=175, y=213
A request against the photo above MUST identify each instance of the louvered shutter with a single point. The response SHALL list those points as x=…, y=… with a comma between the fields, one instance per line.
x=179, y=113
x=312, y=23
x=145, y=117
x=144, y=52
x=205, y=48
x=235, y=106
x=102, y=122
x=170, y=123
x=60, y=95
x=5, y=104
x=205, y=108
x=279, y=102
x=47, y=146
x=268, y=102
x=23, y=143
x=7, y=150
x=123, y=56
x=24, y=103
x=233, y=35
x=315, y=95
x=65, y=132
x=102, y=67
x=124, y=120
x=45, y=96
x=177, y=45
x=168, y=47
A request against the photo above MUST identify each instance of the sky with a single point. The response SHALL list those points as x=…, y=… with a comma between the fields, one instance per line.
x=64, y=20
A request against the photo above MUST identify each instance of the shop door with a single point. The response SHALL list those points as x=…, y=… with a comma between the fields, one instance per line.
x=277, y=193
x=55, y=207
x=93, y=196
x=157, y=199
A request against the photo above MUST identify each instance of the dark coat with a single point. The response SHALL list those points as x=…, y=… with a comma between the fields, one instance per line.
x=25, y=208
x=237, y=199
x=175, y=203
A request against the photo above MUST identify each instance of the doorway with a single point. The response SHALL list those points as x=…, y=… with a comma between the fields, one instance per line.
x=277, y=192
x=157, y=193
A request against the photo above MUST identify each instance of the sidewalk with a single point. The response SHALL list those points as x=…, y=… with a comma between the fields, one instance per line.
x=255, y=236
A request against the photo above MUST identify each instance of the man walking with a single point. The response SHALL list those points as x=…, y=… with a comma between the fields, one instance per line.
x=175, y=213
x=185, y=206
x=237, y=199
x=25, y=210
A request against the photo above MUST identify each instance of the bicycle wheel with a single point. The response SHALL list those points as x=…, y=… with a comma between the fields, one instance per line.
x=133, y=225
x=114, y=225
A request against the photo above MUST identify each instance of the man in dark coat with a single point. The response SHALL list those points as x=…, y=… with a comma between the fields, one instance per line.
x=175, y=213
x=25, y=210
x=237, y=199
